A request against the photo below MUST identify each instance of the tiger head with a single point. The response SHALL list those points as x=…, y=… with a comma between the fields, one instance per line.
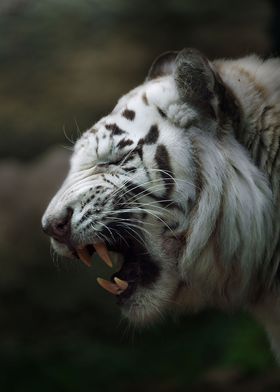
x=163, y=182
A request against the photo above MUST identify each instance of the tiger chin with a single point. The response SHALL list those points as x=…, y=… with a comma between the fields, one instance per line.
x=181, y=181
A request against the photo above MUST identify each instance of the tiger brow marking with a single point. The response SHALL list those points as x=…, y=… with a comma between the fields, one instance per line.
x=115, y=129
x=129, y=114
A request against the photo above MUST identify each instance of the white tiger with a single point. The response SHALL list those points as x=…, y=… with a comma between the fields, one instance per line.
x=182, y=179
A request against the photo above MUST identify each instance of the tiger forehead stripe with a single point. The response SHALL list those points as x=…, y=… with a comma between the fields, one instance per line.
x=129, y=114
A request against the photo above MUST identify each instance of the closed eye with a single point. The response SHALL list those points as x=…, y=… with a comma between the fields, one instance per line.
x=117, y=161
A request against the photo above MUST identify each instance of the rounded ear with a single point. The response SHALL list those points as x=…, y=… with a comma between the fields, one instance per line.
x=194, y=76
x=162, y=65
x=200, y=86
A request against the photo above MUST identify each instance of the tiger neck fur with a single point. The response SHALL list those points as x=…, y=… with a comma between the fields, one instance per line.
x=238, y=230
x=255, y=83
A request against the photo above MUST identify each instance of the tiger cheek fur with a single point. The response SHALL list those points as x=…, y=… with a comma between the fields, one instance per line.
x=182, y=180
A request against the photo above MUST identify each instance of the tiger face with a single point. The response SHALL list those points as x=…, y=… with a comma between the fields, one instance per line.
x=125, y=190
x=148, y=181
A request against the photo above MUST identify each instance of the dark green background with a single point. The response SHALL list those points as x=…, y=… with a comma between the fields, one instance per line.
x=63, y=64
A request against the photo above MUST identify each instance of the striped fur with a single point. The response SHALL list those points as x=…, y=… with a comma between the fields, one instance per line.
x=189, y=161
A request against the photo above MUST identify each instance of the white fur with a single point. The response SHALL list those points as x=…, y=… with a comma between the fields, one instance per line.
x=232, y=218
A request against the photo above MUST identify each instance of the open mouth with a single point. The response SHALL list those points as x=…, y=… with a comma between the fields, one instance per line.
x=138, y=268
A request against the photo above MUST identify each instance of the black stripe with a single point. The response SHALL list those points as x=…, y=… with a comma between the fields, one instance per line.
x=115, y=129
x=145, y=99
x=131, y=169
x=128, y=158
x=97, y=145
x=152, y=135
x=163, y=162
x=124, y=142
x=129, y=114
x=139, y=148
x=161, y=112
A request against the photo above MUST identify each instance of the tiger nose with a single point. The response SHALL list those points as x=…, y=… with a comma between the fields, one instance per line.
x=59, y=228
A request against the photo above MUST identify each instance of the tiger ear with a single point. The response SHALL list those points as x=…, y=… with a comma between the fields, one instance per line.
x=196, y=81
x=163, y=65
x=194, y=76
x=199, y=86
x=191, y=69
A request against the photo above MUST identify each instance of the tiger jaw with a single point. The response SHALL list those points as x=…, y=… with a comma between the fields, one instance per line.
x=118, y=286
x=101, y=250
x=138, y=269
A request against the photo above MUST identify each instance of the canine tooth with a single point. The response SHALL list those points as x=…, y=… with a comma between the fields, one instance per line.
x=84, y=256
x=109, y=286
x=102, y=251
x=121, y=283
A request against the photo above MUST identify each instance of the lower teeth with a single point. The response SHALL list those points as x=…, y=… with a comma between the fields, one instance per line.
x=116, y=288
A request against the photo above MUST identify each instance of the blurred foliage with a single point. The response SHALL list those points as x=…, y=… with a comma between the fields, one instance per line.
x=88, y=356
x=55, y=55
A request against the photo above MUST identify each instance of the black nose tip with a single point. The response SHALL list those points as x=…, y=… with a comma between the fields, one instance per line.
x=60, y=228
